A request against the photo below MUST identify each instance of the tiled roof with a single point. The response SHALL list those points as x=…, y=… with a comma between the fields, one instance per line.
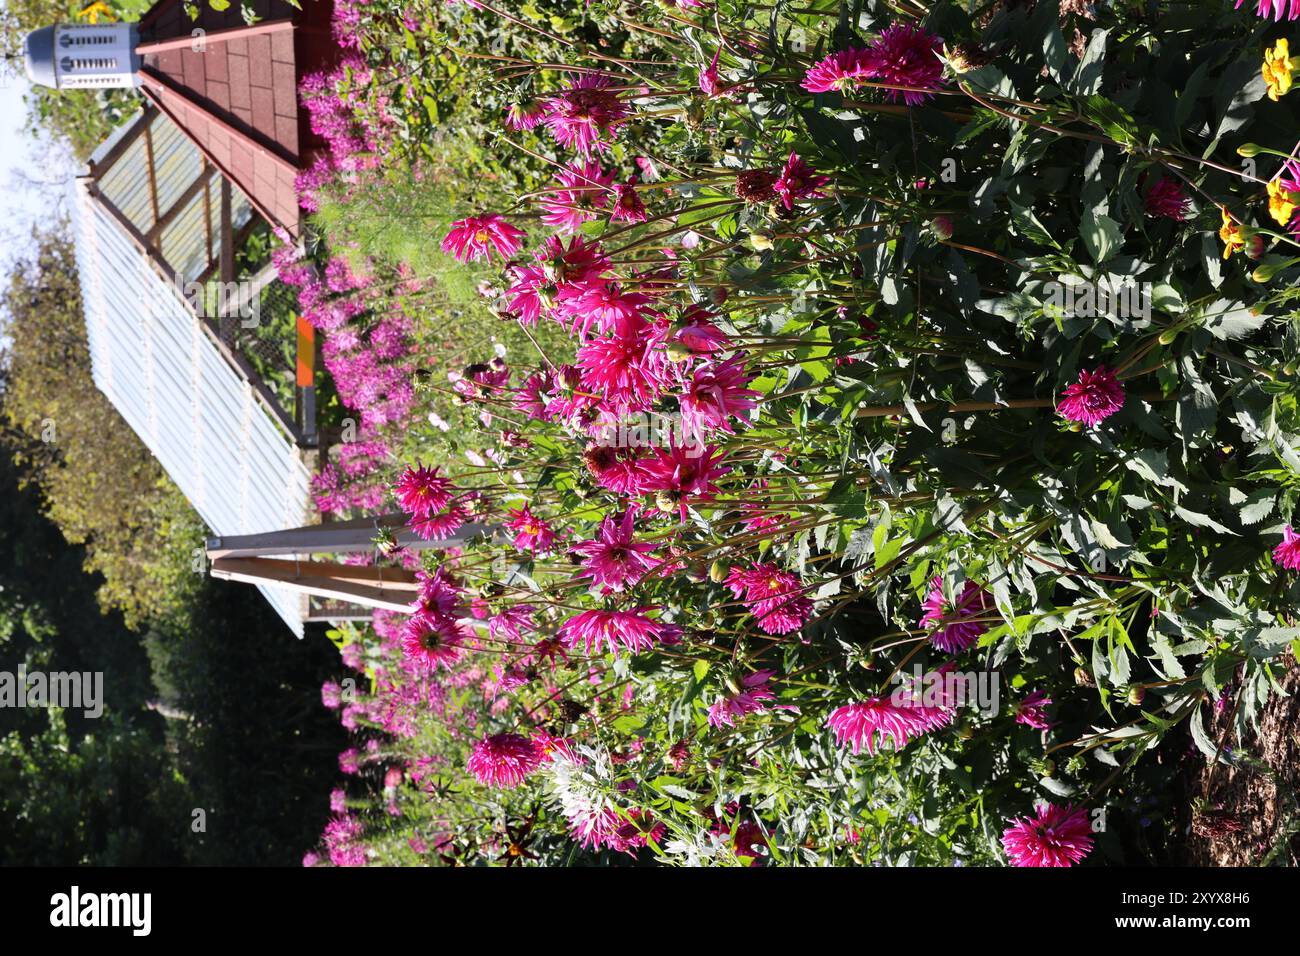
x=232, y=89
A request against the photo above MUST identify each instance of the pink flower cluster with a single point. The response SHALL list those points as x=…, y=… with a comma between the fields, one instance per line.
x=904, y=57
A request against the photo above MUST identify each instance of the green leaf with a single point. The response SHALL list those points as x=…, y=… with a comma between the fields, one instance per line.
x=1101, y=235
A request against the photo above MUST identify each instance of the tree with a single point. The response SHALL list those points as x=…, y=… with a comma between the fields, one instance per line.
x=101, y=486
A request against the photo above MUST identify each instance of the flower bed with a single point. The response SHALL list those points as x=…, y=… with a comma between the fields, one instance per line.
x=887, y=417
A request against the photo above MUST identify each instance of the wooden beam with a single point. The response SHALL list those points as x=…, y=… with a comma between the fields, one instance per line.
x=335, y=537
x=143, y=121
x=370, y=595
x=386, y=579
x=153, y=173
x=175, y=209
x=227, y=233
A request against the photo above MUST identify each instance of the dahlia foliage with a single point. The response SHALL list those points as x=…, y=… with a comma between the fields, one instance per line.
x=888, y=445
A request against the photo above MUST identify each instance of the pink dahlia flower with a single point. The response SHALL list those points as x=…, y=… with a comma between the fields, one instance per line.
x=431, y=642
x=628, y=206
x=683, y=473
x=906, y=55
x=531, y=532
x=475, y=237
x=440, y=525
x=1054, y=836
x=1287, y=554
x=584, y=190
x=1167, y=199
x=439, y=594
x=775, y=597
x=1032, y=711
x=954, y=631
x=750, y=698
x=1275, y=9
x=624, y=368
x=1097, y=395
x=524, y=116
x=421, y=490
x=503, y=760
x=597, y=630
x=798, y=180
x=867, y=724
x=712, y=395
x=615, y=560
x=581, y=116
x=839, y=71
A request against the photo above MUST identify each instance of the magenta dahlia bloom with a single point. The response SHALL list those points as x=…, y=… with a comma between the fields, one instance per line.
x=798, y=180
x=598, y=630
x=581, y=116
x=605, y=305
x=475, y=237
x=775, y=597
x=954, y=631
x=1287, y=554
x=1032, y=711
x=615, y=560
x=683, y=473
x=503, y=760
x=439, y=525
x=439, y=594
x=750, y=698
x=1054, y=836
x=1289, y=176
x=628, y=206
x=712, y=395
x=839, y=71
x=697, y=332
x=524, y=116
x=906, y=55
x=1275, y=9
x=531, y=532
x=624, y=368
x=431, y=642
x=421, y=490
x=867, y=724
x=1166, y=199
x=584, y=190
x=512, y=623
x=1097, y=395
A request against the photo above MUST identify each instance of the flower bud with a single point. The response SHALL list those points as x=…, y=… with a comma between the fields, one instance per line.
x=678, y=351
x=1136, y=694
x=718, y=571
x=1248, y=150
x=941, y=228
x=666, y=501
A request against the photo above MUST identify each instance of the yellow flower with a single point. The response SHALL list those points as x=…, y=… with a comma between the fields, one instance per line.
x=1281, y=202
x=1277, y=70
x=95, y=10
x=1230, y=233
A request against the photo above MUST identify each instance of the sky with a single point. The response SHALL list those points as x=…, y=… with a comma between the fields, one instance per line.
x=34, y=177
